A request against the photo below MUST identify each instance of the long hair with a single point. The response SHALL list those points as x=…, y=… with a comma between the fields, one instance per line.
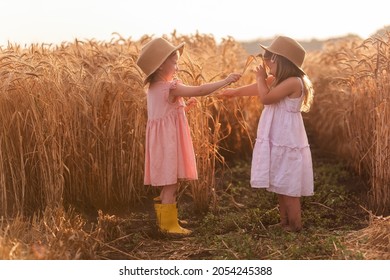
x=152, y=76
x=286, y=69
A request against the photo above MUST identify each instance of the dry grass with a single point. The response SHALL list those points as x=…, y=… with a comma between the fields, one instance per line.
x=53, y=235
x=372, y=242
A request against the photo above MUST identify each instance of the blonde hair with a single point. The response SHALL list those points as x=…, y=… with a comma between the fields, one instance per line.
x=286, y=69
x=152, y=76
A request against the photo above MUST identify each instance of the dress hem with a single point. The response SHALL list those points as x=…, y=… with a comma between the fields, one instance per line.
x=272, y=189
x=171, y=183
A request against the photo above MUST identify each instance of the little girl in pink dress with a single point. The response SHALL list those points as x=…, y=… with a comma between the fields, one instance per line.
x=169, y=152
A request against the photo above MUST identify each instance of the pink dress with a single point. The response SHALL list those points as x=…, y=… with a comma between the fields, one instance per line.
x=169, y=152
x=281, y=159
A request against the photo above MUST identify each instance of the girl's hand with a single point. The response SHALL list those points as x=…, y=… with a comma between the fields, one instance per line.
x=232, y=78
x=191, y=103
x=261, y=74
x=269, y=80
x=228, y=93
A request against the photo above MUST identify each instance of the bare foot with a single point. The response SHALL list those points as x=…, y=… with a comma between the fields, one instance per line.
x=278, y=225
x=292, y=229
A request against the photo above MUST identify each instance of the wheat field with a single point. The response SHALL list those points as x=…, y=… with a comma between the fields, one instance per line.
x=351, y=112
x=73, y=120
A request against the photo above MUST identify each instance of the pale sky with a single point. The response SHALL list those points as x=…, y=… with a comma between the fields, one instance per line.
x=54, y=21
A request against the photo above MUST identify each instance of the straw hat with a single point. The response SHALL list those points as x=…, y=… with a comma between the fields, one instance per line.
x=154, y=53
x=288, y=48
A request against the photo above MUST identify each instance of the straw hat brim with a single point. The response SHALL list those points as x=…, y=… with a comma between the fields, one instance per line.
x=179, y=48
x=272, y=50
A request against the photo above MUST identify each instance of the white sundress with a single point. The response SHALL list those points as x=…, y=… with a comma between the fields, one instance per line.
x=281, y=160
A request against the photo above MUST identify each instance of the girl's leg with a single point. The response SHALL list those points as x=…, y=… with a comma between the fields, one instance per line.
x=282, y=213
x=282, y=210
x=168, y=194
x=166, y=212
x=293, y=208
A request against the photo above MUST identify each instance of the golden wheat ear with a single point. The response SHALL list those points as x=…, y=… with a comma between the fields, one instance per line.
x=248, y=62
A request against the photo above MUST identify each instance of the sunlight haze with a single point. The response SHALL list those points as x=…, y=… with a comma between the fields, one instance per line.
x=53, y=21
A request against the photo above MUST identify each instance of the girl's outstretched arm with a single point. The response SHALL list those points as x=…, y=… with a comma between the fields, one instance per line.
x=205, y=89
x=248, y=90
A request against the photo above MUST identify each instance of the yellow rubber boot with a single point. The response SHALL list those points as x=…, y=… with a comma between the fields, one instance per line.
x=157, y=200
x=167, y=220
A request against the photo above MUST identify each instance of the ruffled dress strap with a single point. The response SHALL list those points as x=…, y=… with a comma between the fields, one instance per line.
x=178, y=99
x=173, y=84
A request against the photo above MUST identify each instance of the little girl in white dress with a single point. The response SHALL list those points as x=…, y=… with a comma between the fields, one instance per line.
x=281, y=160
